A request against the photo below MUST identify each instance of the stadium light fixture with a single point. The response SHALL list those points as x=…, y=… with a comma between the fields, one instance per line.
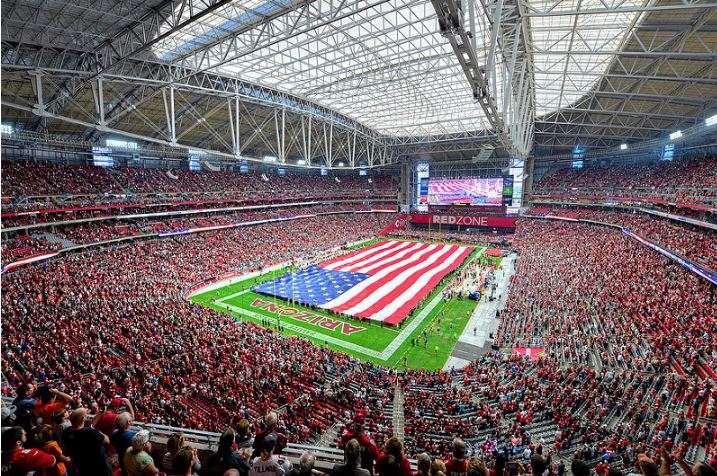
x=711, y=121
x=675, y=135
x=623, y=146
x=270, y=158
x=341, y=164
x=301, y=162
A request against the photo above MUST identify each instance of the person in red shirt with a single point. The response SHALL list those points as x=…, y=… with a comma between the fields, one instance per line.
x=105, y=421
x=50, y=400
x=393, y=462
x=17, y=460
x=457, y=465
x=369, y=449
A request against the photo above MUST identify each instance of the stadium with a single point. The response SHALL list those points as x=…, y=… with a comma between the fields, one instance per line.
x=359, y=237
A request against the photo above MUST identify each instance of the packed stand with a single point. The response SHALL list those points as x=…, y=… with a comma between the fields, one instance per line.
x=580, y=291
x=689, y=181
x=118, y=185
x=696, y=243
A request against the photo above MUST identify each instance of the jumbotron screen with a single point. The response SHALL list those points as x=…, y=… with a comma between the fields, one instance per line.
x=472, y=191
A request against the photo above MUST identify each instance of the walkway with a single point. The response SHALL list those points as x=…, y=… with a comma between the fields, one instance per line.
x=470, y=346
x=398, y=416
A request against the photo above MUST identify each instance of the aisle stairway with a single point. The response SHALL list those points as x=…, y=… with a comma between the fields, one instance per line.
x=398, y=416
x=329, y=437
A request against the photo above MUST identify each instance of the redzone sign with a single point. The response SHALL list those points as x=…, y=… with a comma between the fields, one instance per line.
x=495, y=222
x=304, y=316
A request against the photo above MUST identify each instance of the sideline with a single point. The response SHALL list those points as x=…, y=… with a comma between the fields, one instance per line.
x=483, y=320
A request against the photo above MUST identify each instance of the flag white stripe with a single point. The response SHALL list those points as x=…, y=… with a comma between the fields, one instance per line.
x=416, y=287
x=389, y=260
x=363, y=254
x=406, y=275
x=348, y=295
x=387, y=254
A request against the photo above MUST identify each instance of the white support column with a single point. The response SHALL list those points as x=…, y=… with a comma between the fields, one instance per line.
x=172, y=117
x=231, y=127
x=331, y=144
x=277, y=133
x=101, y=101
x=353, y=151
x=283, y=135
x=310, y=133
x=237, y=131
x=37, y=83
x=472, y=22
x=490, y=67
x=508, y=93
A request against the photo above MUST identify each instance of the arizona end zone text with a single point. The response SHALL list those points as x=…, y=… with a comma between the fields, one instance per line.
x=309, y=317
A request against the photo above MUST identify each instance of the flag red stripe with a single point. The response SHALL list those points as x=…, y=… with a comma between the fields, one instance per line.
x=389, y=276
x=403, y=311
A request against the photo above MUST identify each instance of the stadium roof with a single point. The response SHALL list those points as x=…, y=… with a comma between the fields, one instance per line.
x=596, y=72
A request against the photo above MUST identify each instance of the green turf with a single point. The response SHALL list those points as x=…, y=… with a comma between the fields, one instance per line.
x=369, y=344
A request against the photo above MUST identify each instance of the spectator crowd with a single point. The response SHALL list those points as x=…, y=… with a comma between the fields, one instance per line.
x=93, y=341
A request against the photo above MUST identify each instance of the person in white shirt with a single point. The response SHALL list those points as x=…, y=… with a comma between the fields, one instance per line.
x=267, y=463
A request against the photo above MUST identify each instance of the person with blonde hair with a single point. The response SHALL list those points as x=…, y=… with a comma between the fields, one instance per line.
x=137, y=460
x=476, y=467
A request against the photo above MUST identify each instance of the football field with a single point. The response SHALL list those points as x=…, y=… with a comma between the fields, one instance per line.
x=363, y=338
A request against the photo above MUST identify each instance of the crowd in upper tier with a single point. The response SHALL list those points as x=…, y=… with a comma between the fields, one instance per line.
x=690, y=181
x=24, y=246
x=694, y=242
x=43, y=178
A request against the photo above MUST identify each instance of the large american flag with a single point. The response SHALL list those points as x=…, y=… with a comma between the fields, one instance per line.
x=383, y=282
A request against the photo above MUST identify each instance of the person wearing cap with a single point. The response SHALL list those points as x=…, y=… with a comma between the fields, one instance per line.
x=19, y=460
x=352, y=458
x=86, y=446
x=105, y=421
x=267, y=463
x=137, y=460
x=369, y=449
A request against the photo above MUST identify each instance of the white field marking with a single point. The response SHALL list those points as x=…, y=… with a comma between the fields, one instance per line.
x=306, y=332
x=387, y=352
x=226, y=298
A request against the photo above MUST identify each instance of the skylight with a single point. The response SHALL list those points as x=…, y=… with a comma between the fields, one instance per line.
x=385, y=65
